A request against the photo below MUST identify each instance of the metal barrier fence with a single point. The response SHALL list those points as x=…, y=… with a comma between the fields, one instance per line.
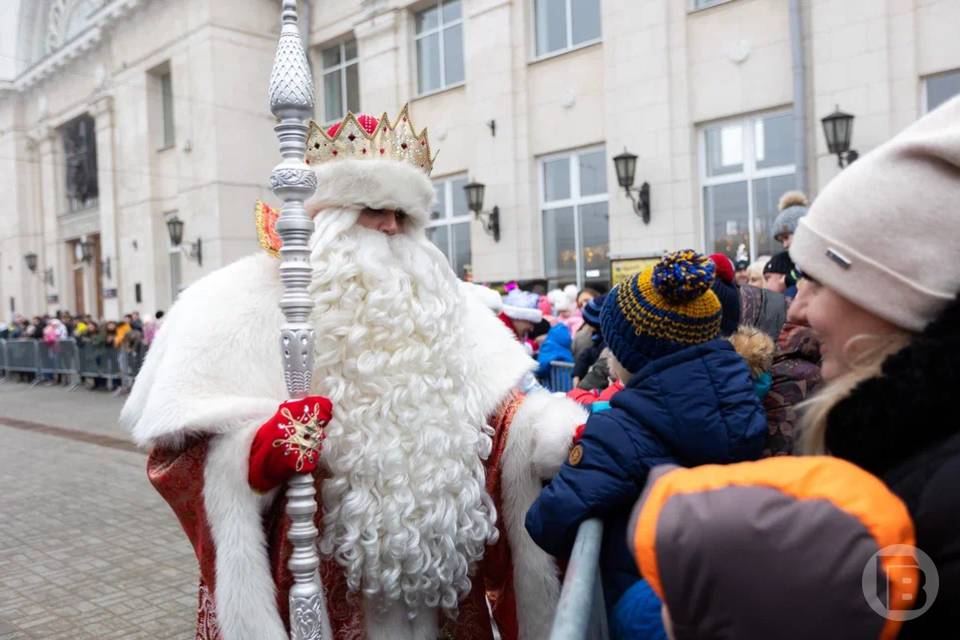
x=57, y=359
x=561, y=376
x=581, y=614
x=21, y=356
x=76, y=362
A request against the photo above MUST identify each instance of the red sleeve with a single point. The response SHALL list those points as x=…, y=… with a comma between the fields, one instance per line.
x=177, y=475
x=585, y=397
x=611, y=391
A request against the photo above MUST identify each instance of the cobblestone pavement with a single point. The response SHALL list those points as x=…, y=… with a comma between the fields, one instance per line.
x=88, y=550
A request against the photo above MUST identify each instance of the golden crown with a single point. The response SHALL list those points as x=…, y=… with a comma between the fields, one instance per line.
x=366, y=138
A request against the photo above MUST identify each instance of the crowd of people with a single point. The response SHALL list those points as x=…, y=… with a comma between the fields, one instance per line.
x=131, y=335
x=127, y=333
x=836, y=345
x=718, y=448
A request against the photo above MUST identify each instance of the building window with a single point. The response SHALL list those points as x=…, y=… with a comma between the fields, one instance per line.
x=341, y=81
x=576, y=232
x=439, y=42
x=940, y=88
x=166, y=107
x=565, y=24
x=80, y=154
x=449, y=226
x=746, y=165
x=703, y=4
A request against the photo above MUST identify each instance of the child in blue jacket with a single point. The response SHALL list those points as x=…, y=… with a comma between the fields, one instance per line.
x=555, y=347
x=689, y=399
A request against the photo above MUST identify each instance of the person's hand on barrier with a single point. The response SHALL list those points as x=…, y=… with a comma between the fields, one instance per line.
x=290, y=442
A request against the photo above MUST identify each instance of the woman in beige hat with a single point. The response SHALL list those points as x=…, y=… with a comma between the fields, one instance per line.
x=880, y=251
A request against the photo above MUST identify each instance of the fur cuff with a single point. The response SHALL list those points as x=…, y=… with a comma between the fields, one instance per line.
x=245, y=593
x=539, y=438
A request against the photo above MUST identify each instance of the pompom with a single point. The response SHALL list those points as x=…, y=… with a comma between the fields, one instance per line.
x=725, y=270
x=683, y=276
x=792, y=199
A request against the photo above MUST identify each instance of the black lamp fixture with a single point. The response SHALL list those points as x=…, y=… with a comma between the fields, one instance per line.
x=838, y=129
x=626, y=166
x=175, y=229
x=86, y=251
x=490, y=220
x=31, y=260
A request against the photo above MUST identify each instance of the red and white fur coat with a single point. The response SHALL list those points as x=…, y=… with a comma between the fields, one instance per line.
x=213, y=376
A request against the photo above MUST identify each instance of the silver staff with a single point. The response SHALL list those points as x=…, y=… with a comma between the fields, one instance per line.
x=291, y=101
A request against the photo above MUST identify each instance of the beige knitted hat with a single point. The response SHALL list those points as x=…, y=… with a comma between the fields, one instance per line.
x=885, y=233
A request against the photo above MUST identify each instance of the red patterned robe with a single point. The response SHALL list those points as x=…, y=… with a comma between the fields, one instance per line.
x=177, y=474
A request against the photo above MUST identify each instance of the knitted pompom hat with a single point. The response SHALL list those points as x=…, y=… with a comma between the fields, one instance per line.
x=661, y=310
x=591, y=311
x=792, y=206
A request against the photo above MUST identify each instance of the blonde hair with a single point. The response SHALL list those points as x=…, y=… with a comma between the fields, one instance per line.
x=755, y=347
x=755, y=271
x=866, y=365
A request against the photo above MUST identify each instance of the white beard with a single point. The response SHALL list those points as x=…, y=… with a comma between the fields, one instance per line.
x=406, y=513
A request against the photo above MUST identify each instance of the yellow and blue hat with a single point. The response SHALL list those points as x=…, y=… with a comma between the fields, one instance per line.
x=662, y=309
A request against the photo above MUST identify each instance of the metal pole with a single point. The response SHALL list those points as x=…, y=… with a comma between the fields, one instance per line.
x=798, y=53
x=291, y=101
x=580, y=612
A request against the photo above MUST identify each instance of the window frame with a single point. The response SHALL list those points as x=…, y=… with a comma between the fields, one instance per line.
x=693, y=8
x=341, y=68
x=748, y=174
x=88, y=154
x=537, y=57
x=574, y=201
x=439, y=29
x=450, y=220
x=925, y=90
x=168, y=134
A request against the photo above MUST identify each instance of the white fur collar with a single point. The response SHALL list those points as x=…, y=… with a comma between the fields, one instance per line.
x=215, y=363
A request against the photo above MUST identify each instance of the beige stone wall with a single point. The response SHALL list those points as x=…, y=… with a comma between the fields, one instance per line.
x=660, y=73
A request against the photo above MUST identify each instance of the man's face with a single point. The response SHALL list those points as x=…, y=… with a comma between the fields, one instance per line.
x=388, y=221
x=523, y=327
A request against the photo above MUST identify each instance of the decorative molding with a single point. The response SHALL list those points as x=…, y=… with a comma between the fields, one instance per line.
x=101, y=22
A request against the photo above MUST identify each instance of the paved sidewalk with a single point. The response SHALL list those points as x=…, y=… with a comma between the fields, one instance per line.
x=88, y=550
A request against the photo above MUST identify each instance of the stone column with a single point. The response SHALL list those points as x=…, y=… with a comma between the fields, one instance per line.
x=101, y=108
x=48, y=158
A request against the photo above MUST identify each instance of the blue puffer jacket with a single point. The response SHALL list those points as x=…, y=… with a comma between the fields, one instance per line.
x=555, y=347
x=696, y=406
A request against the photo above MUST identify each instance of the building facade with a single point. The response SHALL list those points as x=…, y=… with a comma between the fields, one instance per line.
x=118, y=115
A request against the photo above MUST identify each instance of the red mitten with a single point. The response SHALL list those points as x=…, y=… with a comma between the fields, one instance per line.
x=290, y=442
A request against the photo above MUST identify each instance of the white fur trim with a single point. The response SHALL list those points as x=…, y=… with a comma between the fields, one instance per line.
x=245, y=593
x=539, y=438
x=215, y=369
x=216, y=360
x=490, y=298
x=523, y=313
x=501, y=361
x=378, y=184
